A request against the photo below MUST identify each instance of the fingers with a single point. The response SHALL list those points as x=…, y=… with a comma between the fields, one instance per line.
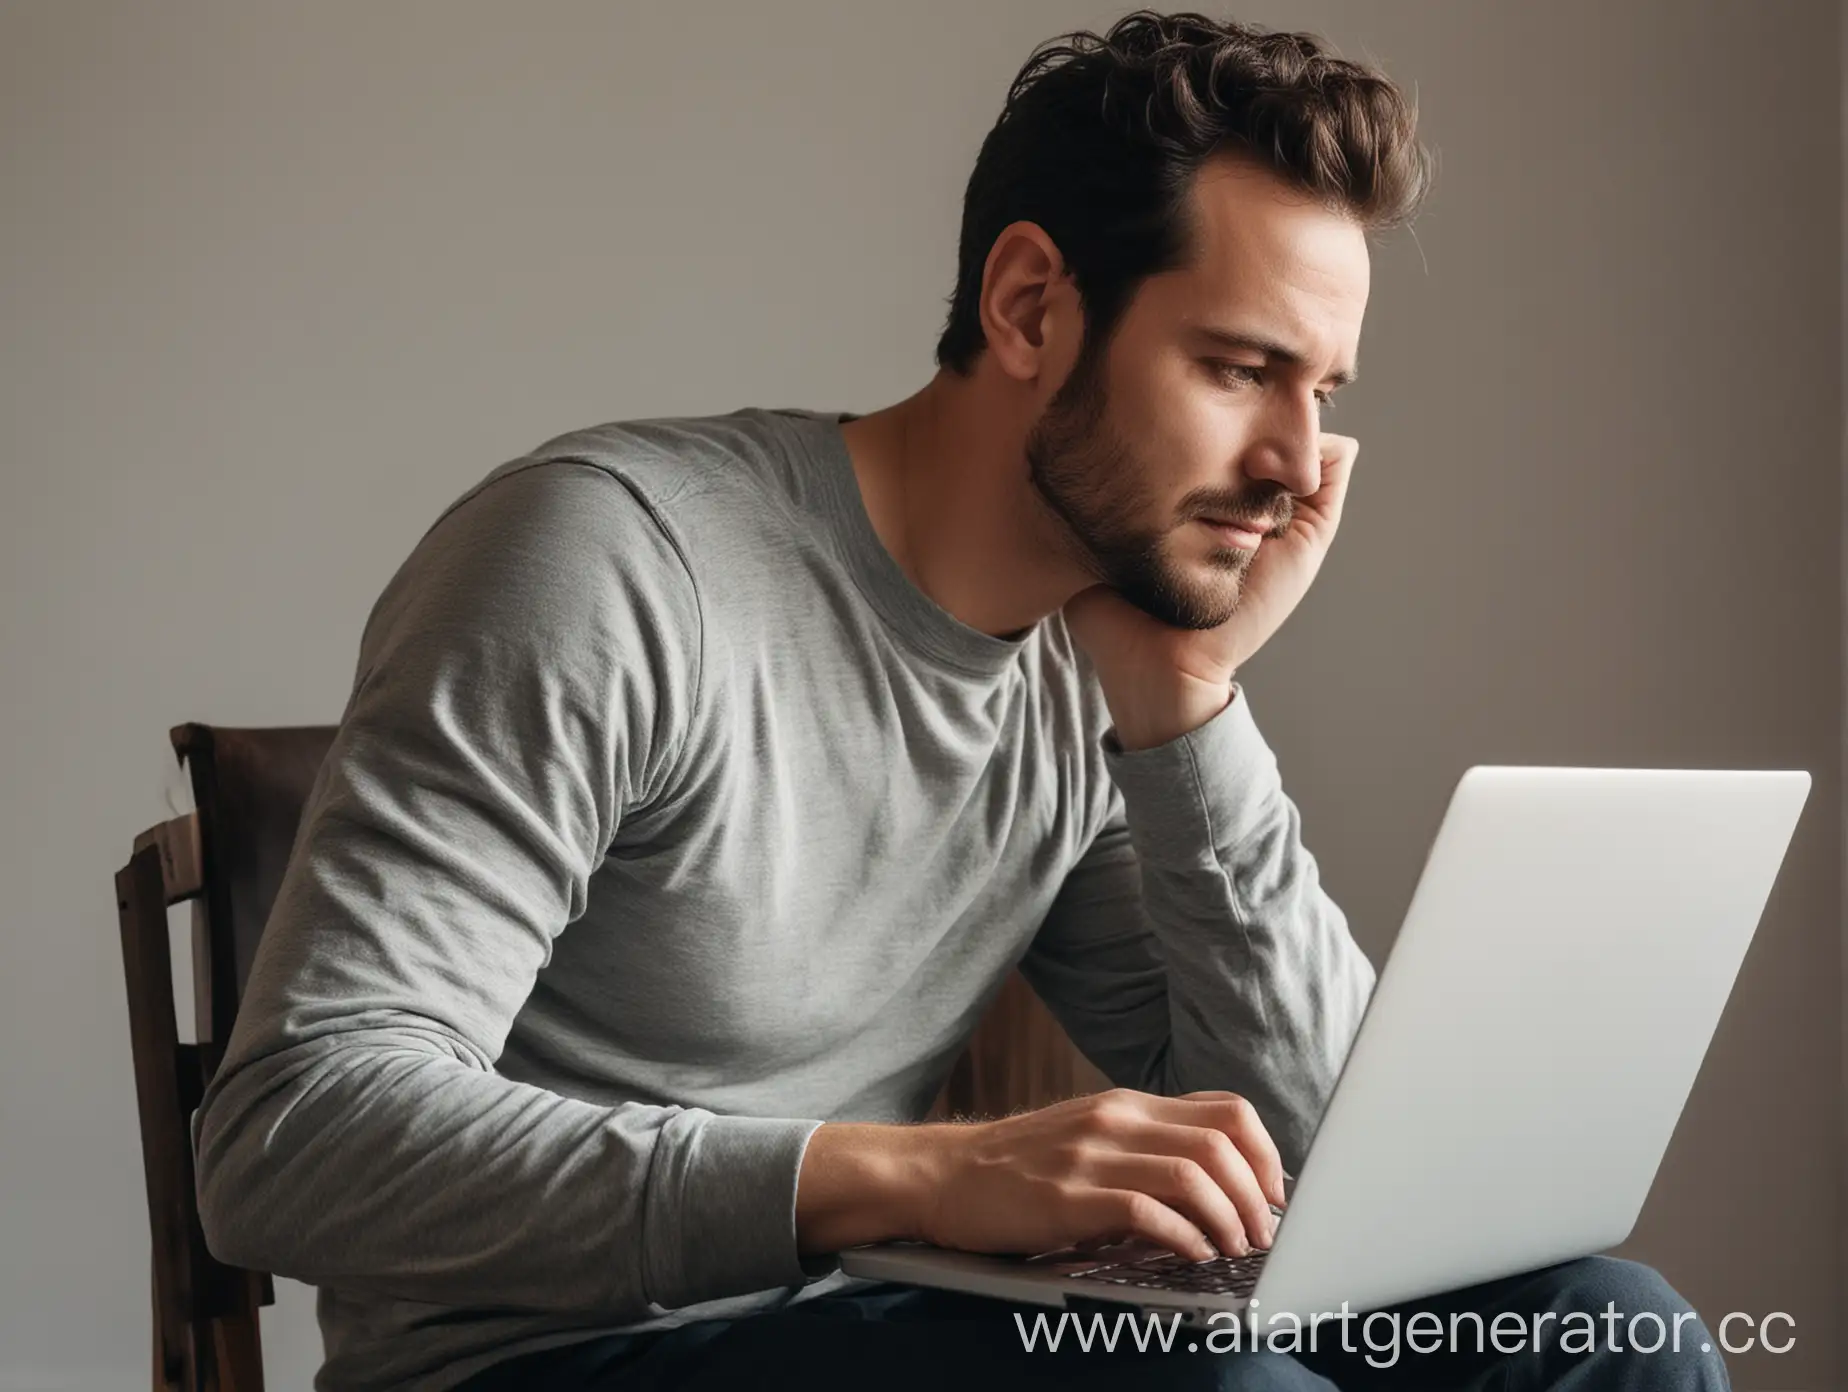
x=1195, y=1174
x=1220, y=1164
x=1238, y=1120
x=1120, y=1213
x=1338, y=455
x=1338, y=447
x=1185, y=1186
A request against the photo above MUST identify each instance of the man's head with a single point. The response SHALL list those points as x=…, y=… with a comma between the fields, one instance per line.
x=1154, y=207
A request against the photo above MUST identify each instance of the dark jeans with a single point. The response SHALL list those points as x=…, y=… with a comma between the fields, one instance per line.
x=892, y=1339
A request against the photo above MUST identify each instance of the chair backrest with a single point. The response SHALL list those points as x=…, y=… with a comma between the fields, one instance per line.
x=227, y=858
x=249, y=789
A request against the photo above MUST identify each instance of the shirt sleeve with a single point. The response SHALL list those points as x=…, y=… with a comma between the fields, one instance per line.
x=526, y=678
x=1192, y=947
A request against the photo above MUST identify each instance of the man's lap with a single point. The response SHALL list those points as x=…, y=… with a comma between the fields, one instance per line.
x=891, y=1339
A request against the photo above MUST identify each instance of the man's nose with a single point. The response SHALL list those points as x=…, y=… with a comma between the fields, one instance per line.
x=1288, y=447
x=1293, y=464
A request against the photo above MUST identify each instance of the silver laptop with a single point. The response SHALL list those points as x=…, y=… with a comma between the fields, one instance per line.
x=1520, y=1067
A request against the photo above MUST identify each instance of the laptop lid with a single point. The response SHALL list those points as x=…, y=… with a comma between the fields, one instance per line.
x=1535, y=1033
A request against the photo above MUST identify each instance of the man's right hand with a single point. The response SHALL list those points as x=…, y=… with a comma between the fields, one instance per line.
x=1194, y=1174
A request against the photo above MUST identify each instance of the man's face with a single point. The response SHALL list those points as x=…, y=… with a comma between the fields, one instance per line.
x=1175, y=423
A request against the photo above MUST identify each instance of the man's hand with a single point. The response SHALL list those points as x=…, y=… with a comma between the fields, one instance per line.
x=1193, y=1174
x=1161, y=682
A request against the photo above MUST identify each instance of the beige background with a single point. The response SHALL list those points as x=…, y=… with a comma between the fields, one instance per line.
x=277, y=282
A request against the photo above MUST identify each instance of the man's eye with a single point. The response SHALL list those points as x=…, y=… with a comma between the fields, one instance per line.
x=1241, y=372
x=1237, y=372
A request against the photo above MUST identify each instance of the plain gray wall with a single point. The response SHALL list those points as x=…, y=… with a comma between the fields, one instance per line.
x=276, y=283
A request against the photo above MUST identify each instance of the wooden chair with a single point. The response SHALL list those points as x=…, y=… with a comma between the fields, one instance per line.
x=227, y=859
x=1018, y=1058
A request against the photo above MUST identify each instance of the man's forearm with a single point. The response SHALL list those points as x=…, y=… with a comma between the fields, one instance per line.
x=374, y=1161
x=1193, y=945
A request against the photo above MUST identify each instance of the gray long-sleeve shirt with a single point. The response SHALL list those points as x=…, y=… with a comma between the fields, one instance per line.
x=668, y=819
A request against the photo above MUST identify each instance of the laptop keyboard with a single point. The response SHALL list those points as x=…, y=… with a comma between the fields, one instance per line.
x=1168, y=1272
x=1220, y=1276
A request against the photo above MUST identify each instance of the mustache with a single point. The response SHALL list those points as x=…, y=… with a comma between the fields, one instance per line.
x=1267, y=507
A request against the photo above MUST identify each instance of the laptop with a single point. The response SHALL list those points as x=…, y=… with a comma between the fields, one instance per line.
x=1519, y=1069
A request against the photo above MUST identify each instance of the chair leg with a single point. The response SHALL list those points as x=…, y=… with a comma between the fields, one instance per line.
x=168, y=1361
x=240, y=1352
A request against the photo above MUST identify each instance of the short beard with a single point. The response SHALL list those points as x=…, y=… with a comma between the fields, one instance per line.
x=1092, y=480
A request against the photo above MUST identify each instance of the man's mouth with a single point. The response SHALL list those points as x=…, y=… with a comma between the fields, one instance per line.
x=1246, y=536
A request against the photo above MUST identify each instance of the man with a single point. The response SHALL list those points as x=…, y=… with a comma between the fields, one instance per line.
x=702, y=779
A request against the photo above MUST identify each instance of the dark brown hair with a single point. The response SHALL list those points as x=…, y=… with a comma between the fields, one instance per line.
x=1101, y=136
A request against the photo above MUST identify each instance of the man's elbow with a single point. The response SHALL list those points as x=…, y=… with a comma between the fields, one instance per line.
x=1365, y=980
x=237, y=1190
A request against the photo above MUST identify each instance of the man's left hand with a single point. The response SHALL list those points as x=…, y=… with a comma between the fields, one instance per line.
x=1161, y=682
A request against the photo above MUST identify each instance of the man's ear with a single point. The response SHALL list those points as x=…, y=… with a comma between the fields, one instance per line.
x=1029, y=305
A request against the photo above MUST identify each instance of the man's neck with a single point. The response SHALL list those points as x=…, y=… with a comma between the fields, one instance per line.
x=943, y=475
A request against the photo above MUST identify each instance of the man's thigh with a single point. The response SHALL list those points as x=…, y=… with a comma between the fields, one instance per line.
x=1599, y=1324
x=894, y=1340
